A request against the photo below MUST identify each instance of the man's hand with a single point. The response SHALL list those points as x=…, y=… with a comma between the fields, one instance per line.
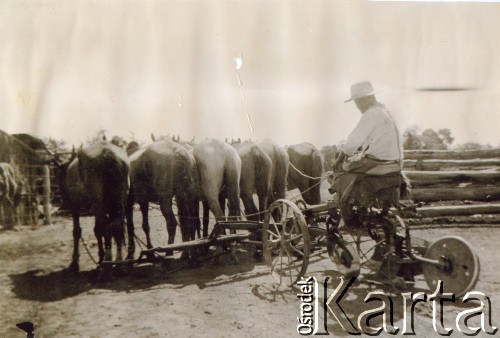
x=338, y=162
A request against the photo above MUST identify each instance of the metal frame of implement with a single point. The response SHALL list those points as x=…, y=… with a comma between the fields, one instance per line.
x=383, y=244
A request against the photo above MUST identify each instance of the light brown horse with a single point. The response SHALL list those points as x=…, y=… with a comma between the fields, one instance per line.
x=279, y=173
x=256, y=171
x=219, y=168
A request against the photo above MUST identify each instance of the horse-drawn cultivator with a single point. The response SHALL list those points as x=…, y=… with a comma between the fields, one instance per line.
x=382, y=243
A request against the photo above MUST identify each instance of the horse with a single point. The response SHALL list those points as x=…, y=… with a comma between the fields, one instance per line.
x=11, y=188
x=279, y=173
x=159, y=172
x=306, y=168
x=219, y=169
x=28, y=164
x=256, y=170
x=97, y=177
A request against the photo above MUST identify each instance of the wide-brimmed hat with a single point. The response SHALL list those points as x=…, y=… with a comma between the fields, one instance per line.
x=361, y=89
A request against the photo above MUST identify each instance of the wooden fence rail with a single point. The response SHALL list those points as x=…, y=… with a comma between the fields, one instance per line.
x=455, y=176
x=459, y=210
x=451, y=154
x=474, y=164
x=452, y=178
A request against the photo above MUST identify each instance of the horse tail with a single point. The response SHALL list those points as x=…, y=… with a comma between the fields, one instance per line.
x=263, y=173
x=317, y=171
x=115, y=175
x=232, y=175
x=185, y=191
x=281, y=164
x=405, y=187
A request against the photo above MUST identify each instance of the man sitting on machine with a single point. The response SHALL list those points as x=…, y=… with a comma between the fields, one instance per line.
x=368, y=170
x=367, y=176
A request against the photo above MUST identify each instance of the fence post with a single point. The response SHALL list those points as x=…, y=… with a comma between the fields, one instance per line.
x=46, y=195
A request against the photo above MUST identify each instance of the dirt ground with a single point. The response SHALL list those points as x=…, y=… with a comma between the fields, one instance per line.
x=213, y=300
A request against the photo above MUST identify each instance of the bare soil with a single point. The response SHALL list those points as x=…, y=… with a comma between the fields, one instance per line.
x=214, y=300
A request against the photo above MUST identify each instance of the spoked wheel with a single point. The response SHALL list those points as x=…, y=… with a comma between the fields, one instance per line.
x=461, y=265
x=285, y=242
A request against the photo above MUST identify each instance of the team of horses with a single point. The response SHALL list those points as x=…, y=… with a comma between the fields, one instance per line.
x=108, y=180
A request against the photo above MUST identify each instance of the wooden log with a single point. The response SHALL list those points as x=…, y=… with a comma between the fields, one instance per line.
x=449, y=164
x=453, y=178
x=459, y=210
x=451, y=154
x=454, y=194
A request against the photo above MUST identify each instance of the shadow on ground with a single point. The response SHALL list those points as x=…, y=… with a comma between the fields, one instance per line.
x=43, y=286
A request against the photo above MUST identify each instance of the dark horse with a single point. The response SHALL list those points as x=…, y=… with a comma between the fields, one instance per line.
x=97, y=177
x=159, y=172
x=219, y=168
x=306, y=168
x=256, y=170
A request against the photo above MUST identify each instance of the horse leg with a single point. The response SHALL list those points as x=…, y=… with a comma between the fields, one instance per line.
x=222, y=201
x=100, y=234
x=206, y=219
x=186, y=223
x=270, y=200
x=250, y=208
x=302, y=185
x=234, y=204
x=213, y=204
x=262, y=196
x=196, y=215
x=253, y=215
x=166, y=210
x=145, y=223
x=118, y=231
x=129, y=212
x=77, y=234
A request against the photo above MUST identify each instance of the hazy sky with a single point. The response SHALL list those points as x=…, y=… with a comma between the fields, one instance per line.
x=69, y=68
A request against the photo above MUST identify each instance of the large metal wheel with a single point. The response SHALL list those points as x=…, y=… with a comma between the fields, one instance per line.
x=285, y=242
x=460, y=270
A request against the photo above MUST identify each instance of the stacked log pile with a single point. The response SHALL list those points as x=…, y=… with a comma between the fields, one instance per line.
x=469, y=176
